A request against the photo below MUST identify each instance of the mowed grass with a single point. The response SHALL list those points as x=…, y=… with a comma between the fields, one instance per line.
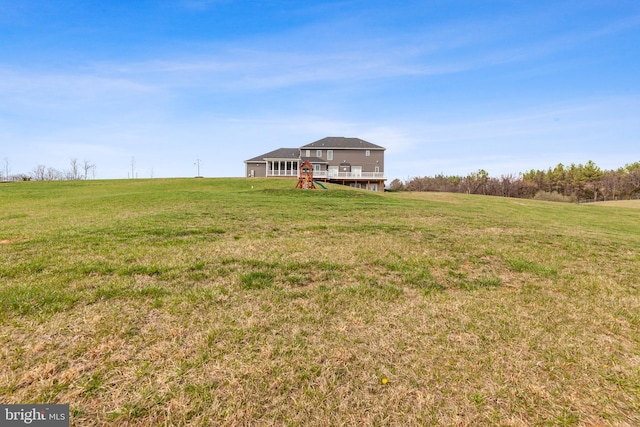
x=622, y=203
x=246, y=302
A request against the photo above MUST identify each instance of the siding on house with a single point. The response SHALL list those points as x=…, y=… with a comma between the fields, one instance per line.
x=347, y=161
x=256, y=170
x=356, y=157
x=280, y=159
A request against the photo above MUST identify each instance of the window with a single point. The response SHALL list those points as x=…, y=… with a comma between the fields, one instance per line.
x=329, y=154
x=308, y=153
x=367, y=153
x=318, y=153
x=377, y=169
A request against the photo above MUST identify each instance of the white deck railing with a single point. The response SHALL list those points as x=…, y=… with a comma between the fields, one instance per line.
x=348, y=175
x=283, y=173
x=331, y=175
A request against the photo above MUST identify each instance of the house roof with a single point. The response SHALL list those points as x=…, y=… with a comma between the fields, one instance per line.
x=342, y=142
x=280, y=153
x=314, y=160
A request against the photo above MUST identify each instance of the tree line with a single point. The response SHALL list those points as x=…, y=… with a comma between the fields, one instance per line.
x=77, y=170
x=572, y=183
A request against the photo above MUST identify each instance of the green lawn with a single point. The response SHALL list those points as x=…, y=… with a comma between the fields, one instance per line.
x=245, y=301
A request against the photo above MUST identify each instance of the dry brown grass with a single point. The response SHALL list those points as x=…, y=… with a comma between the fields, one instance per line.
x=621, y=203
x=9, y=241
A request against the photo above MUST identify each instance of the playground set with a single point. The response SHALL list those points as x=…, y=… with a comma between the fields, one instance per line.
x=305, y=180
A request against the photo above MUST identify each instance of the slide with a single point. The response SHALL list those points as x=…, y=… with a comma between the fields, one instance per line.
x=320, y=184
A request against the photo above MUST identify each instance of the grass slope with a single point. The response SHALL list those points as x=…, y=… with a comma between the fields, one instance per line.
x=234, y=301
x=622, y=203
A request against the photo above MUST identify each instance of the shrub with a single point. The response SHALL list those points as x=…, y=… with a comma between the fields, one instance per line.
x=554, y=196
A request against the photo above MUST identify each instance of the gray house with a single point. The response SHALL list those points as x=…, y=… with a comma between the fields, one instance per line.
x=346, y=161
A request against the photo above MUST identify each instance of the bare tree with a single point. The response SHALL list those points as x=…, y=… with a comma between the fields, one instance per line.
x=396, y=185
x=74, y=173
x=39, y=173
x=475, y=181
x=632, y=177
x=53, y=174
x=88, y=166
x=6, y=168
x=611, y=183
x=511, y=185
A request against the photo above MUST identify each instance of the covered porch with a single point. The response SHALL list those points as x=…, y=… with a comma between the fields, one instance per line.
x=282, y=167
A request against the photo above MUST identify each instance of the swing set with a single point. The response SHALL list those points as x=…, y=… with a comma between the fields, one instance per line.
x=305, y=180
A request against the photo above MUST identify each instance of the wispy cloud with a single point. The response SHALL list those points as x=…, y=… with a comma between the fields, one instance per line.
x=284, y=60
x=24, y=88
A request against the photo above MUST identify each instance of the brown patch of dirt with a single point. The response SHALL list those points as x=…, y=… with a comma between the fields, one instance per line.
x=8, y=241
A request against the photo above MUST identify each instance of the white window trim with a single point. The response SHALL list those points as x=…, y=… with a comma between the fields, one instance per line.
x=318, y=153
x=329, y=154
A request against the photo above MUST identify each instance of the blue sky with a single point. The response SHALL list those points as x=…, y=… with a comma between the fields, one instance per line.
x=447, y=86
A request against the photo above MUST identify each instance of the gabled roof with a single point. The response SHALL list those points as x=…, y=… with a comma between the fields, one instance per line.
x=342, y=142
x=280, y=153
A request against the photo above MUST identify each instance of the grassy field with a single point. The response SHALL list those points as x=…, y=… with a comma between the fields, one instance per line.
x=245, y=302
x=622, y=203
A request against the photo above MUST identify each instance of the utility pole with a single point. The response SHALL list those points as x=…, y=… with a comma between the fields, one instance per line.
x=198, y=165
